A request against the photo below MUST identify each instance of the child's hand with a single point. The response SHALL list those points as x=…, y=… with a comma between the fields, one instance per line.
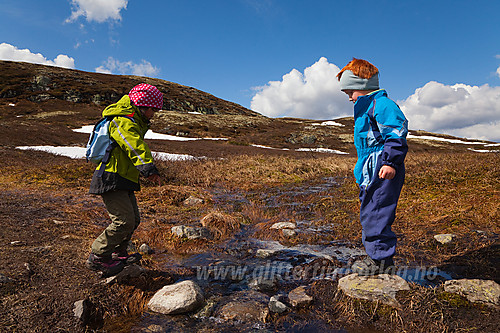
x=155, y=179
x=387, y=172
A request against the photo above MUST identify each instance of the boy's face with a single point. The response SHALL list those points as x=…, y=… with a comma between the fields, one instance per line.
x=354, y=94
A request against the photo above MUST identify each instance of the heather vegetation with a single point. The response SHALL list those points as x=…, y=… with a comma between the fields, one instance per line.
x=49, y=221
x=46, y=208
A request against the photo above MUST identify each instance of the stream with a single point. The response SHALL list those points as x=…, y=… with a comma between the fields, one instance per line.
x=242, y=263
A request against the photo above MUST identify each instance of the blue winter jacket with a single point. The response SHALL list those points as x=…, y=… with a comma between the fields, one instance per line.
x=380, y=130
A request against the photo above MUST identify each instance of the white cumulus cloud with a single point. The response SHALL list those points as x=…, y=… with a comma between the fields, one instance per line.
x=460, y=110
x=113, y=66
x=498, y=72
x=12, y=53
x=97, y=10
x=315, y=94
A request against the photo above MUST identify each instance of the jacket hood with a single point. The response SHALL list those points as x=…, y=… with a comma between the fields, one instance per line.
x=121, y=108
x=125, y=108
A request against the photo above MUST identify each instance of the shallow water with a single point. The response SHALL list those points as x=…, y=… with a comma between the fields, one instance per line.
x=242, y=263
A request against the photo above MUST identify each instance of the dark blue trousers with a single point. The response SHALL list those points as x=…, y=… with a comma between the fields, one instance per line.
x=377, y=213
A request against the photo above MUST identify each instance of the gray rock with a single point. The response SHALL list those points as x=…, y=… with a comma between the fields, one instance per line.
x=5, y=279
x=445, y=238
x=144, y=248
x=276, y=305
x=245, y=306
x=263, y=253
x=381, y=287
x=284, y=225
x=190, y=232
x=40, y=98
x=299, y=298
x=207, y=310
x=193, y=201
x=475, y=290
x=182, y=297
x=289, y=232
x=262, y=284
x=130, y=272
x=78, y=308
x=88, y=313
x=41, y=82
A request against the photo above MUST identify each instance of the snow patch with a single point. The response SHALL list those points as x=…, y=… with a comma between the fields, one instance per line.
x=435, y=138
x=323, y=150
x=79, y=153
x=328, y=123
x=150, y=135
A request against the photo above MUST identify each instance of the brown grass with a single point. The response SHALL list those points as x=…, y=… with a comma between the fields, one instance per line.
x=221, y=225
x=444, y=192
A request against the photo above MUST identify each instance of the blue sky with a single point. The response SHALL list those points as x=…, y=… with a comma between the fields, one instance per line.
x=440, y=60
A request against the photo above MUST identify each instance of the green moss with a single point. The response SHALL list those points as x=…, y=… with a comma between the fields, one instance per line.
x=454, y=300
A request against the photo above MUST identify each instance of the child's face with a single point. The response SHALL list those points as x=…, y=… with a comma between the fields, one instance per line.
x=149, y=112
x=354, y=94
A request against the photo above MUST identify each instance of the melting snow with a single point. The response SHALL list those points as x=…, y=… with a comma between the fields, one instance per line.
x=484, y=150
x=323, y=150
x=328, y=123
x=79, y=153
x=150, y=135
x=435, y=138
x=317, y=150
x=266, y=147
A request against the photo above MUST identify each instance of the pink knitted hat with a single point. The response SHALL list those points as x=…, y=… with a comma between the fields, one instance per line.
x=146, y=95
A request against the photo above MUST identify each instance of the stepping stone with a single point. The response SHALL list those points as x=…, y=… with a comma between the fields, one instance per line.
x=381, y=287
x=475, y=290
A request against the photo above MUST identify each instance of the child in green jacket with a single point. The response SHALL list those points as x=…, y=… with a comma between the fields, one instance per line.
x=117, y=178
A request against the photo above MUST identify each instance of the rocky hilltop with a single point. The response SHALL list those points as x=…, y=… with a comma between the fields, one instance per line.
x=39, y=83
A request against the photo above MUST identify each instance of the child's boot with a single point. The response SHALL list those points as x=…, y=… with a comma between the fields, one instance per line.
x=105, y=264
x=126, y=258
x=369, y=266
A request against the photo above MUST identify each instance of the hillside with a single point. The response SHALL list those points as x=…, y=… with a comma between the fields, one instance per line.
x=33, y=97
x=39, y=83
x=256, y=172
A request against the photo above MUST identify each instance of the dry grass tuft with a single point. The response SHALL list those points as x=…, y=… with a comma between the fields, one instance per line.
x=220, y=225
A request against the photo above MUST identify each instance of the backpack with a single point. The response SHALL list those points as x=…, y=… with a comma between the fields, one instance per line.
x=100, y=143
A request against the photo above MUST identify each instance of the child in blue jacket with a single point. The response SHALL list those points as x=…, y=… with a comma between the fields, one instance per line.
x=380, y=130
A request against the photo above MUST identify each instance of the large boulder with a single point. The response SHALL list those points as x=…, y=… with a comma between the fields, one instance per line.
x=482, y=291
x=182, y=297
x=381, y=287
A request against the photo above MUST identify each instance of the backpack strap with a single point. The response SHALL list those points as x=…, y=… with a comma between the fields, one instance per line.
x=110, y=148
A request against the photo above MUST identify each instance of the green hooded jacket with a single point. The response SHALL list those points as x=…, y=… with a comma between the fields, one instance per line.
x=131, y=157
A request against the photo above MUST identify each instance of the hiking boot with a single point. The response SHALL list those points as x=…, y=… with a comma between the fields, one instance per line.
x=369, y=266
x=106, y=265
x=127, y=259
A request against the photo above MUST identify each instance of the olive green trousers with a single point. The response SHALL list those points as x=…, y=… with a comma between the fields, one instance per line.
x=125, y=218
